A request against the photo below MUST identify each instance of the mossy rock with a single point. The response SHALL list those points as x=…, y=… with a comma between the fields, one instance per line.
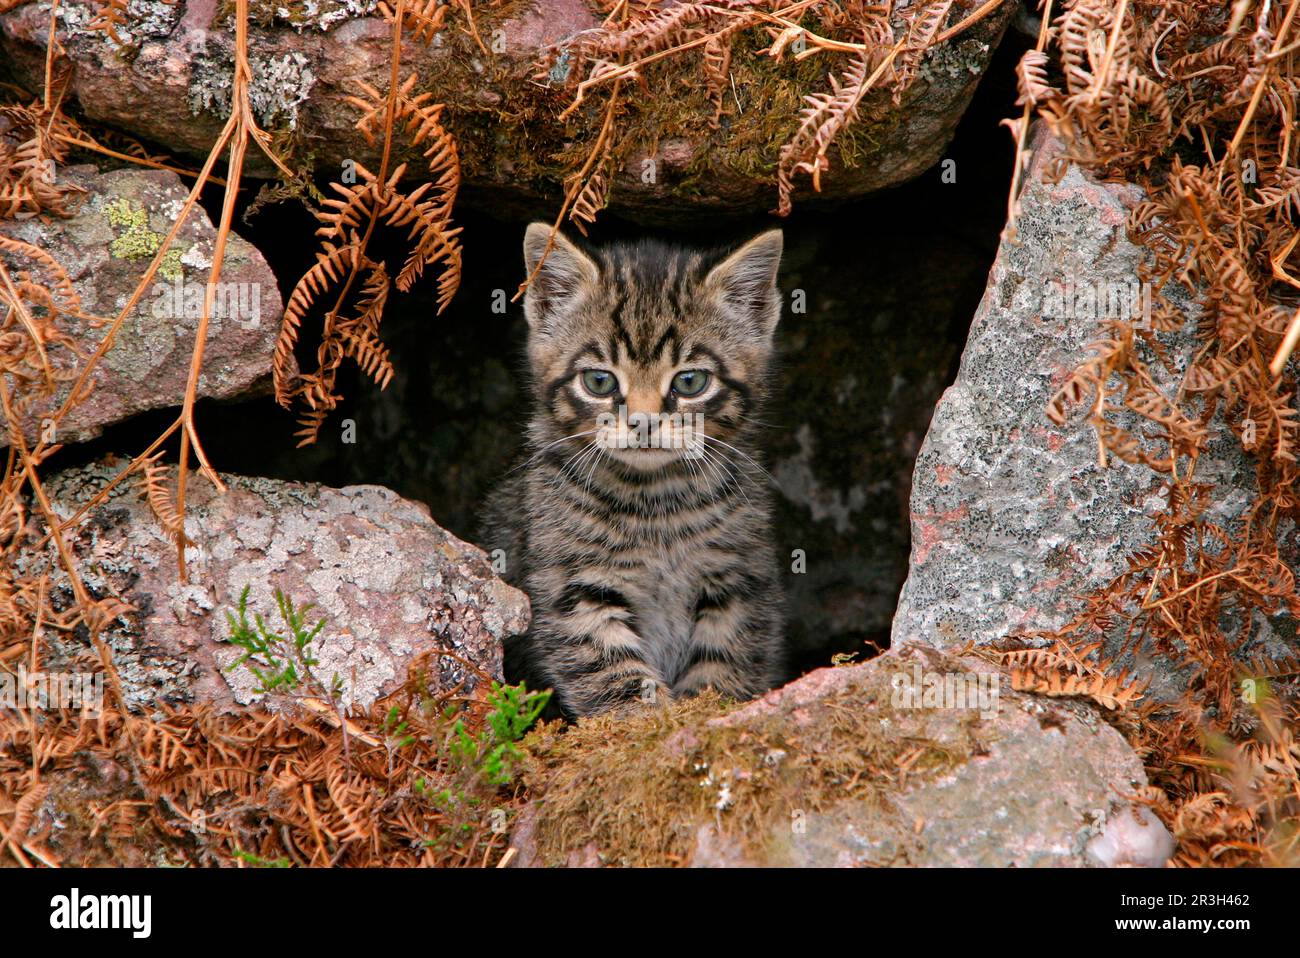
x=169, y=81
x=837, y=769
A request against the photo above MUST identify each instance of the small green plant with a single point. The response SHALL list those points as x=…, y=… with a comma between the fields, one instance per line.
x=280, y=662
x=258, y=862
x=460, y=767
x=493, y=751
x=480, y=763
x=396, y=729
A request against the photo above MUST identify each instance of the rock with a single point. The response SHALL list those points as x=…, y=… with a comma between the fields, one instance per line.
x=169, y=81
x=1013, y=519
x=842, y=767
x=106, y=248
x=1135, y=837
x=392, y=585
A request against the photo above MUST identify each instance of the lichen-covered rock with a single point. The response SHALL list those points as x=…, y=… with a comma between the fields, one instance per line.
x=844, y=767
x=391, y=584
x=106, y=247
x=169, y=82
x=1013, y=518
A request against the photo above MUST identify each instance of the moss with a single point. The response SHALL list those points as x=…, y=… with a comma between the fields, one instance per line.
x=507, y=127
x=135, y=240
x=641, y=787
x=519, y=138
x=761, y=113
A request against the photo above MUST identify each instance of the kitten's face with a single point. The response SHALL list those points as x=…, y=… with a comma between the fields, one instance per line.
x=649, y=350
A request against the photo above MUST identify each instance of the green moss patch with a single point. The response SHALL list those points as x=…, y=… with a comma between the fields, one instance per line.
x=641, y=788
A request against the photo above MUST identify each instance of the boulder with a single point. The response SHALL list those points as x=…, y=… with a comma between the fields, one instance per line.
x=106, y=247
x=168, y=81
x=400, y=597
x=1013, y=518
x=845, y=767
x=392, y=586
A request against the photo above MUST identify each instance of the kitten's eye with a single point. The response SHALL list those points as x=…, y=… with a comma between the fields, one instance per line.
x=690, y=382
x=599, y=382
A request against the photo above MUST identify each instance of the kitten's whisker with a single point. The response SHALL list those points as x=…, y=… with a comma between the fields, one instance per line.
x=761, y=423
x=694, y=456
x=722, y=482
x=540, y=452
x=731, y=471
x=736, y=471
x=578, y=460
x=719, y=479
x=698, y=465
x=741, y=452
x=690, y=467
x=568, y=467
x=595, y=461
x=700, y=454
x=564, y=467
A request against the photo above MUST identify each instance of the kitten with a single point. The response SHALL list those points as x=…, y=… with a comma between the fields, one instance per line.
x=650, y=570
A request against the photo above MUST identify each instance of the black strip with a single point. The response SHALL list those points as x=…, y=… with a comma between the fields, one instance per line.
x=577, y=592
x=620, y=331
x=670, y=334
x=712, y=600
x=571, y=369
x=608, y=659
x=702, y=655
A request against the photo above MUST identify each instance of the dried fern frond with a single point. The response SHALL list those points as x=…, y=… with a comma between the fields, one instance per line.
x=924, y=26
x=824, y=116
x=717, y=68
x=348, y=220
x=155, y=486
x=1110, y=692
x=635, y=37
x=1031, y=79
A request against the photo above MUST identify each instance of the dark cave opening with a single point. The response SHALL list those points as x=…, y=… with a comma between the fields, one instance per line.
x=891, y=284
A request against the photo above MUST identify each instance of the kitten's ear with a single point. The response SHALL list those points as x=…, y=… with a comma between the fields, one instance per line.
x=565, y=274
x=746, y=281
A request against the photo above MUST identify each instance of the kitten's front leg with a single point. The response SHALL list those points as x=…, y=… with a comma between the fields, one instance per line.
x=593, y=654
x=734, y=644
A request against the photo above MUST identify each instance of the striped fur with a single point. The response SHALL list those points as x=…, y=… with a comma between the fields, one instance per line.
x=650, y=571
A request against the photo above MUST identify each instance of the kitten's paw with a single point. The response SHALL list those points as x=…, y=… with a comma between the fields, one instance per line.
x=624, y=695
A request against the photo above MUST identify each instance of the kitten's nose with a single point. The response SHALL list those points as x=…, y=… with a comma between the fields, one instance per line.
x=647, y=401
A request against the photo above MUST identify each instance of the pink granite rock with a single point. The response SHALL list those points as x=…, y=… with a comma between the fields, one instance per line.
x=391, y=584
x=1007, y=779
x=106, y=248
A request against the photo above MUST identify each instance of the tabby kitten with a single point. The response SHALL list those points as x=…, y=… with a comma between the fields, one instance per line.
x=649, y=569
